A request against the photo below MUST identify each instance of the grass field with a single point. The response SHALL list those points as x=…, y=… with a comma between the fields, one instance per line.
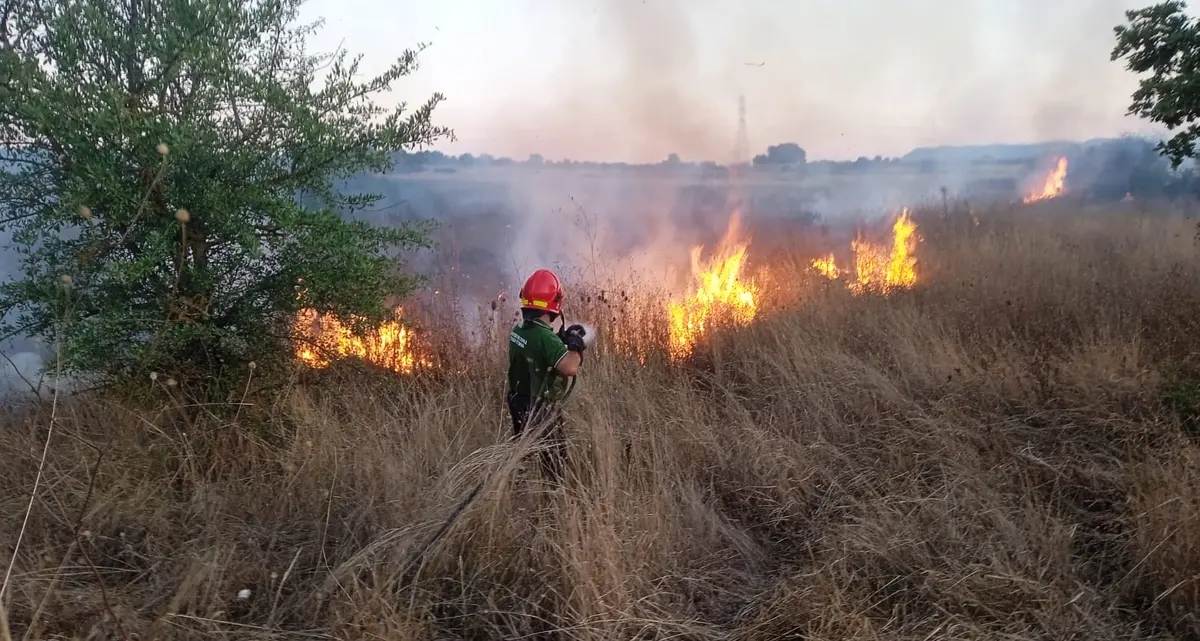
x=1006, y=451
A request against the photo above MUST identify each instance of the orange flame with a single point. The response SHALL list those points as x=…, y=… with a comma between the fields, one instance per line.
x=1052, y=185
x=876, y=268
x=826, y=267
x=718, y=294
x=322, y=337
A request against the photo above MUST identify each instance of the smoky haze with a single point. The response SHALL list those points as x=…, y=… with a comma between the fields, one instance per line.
x=20, y=357
x=640, y=80
x=842, y=78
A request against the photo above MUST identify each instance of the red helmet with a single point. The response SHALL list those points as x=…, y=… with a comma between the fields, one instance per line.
x=542, y=292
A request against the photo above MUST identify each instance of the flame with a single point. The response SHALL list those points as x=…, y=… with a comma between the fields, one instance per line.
x=902, y=268
x=876, y=268
x=718, y=294
x=826, y=267
x=390, y=345
x=1052, y=185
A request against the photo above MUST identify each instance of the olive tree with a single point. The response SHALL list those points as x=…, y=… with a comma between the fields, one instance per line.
x=172, y=174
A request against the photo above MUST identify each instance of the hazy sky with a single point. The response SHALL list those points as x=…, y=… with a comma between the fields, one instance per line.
x=638, y=79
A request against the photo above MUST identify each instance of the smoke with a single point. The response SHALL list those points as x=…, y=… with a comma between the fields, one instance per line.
x=21, y=370
x=842, y=78
x=21, y=359
x=639, y=80
x=589, y=334
x=499, y=224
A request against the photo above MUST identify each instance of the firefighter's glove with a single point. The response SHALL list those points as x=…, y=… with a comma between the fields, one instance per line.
x=574, y=342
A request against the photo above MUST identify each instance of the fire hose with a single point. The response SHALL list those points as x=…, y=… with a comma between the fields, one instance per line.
x=545, y=419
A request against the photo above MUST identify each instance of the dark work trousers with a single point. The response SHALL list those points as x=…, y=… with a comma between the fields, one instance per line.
x=523, y=411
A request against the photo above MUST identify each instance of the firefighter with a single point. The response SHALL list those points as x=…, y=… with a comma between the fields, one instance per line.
x=540, y=362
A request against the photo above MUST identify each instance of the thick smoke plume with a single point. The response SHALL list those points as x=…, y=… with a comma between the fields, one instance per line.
x=842, y=78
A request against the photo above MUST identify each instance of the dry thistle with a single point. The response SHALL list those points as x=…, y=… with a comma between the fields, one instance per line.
x=183, y=215
x=85, y=211
x=163, y=149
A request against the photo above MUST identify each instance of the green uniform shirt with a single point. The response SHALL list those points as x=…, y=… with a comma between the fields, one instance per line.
x=534, y=350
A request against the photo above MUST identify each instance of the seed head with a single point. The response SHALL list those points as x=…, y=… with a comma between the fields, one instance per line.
x=183, y=215
x=163, y=149
x=154, y=376
x=65, y=278
x=85, y=211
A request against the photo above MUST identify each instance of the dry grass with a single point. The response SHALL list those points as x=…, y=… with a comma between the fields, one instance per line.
x=1006, y=452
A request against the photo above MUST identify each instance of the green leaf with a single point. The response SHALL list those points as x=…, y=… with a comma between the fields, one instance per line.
x=259, y=134
x=1164, y=42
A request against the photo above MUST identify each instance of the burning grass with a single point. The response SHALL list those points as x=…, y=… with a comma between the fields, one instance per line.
x=322, y=339
x=720, y=293
x=1052, y=185
x=880, y=269
x=1006, y=449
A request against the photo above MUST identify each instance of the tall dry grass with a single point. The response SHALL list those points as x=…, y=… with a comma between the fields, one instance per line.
x=1007, y=451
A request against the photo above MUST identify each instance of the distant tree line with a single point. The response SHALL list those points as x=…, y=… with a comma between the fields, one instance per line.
x=786, y=155
x=1099, y=170
x=789, y=158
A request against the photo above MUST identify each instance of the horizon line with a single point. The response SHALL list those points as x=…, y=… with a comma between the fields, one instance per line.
x=809, y=160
